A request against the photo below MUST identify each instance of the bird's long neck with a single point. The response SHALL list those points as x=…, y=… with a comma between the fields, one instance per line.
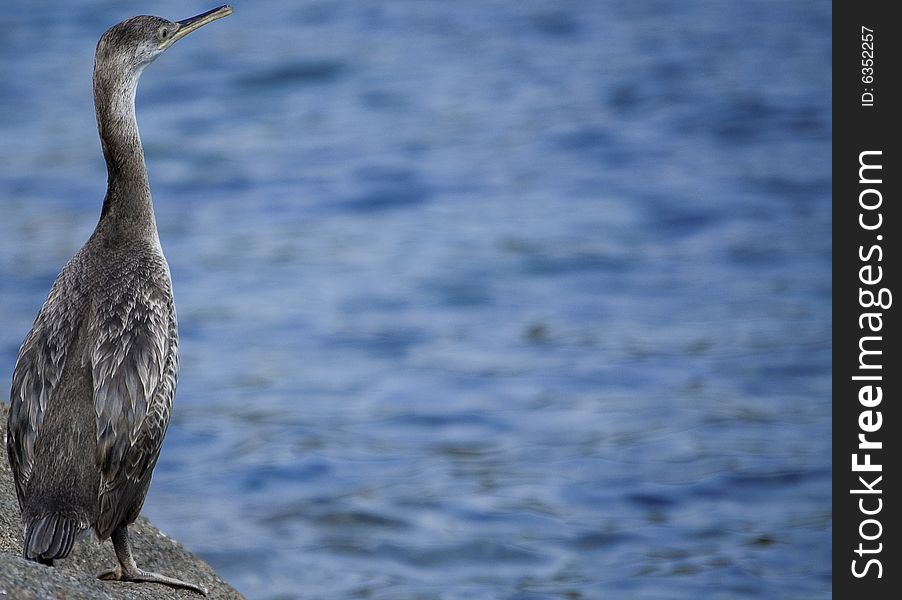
x=128, y=206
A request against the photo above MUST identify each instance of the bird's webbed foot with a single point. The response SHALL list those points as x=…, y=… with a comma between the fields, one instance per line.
x=129, y=571
x=140, y=576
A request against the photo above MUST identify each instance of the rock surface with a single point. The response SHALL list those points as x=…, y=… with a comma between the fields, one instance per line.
x=75, y=577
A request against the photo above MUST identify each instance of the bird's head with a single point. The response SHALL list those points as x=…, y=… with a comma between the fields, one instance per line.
x=134, y=43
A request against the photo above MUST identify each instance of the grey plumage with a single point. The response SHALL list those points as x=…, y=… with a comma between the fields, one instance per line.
x=94, y=380
x=93, y=388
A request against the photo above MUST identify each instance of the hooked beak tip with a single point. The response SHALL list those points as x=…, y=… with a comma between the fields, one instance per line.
x=190, y=24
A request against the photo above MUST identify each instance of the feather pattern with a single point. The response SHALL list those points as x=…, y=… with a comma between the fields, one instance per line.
x=117, y=321
x=39, y=367
x=134, y=367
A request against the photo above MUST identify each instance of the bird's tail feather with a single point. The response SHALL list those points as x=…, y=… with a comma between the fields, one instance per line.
x=49, y=537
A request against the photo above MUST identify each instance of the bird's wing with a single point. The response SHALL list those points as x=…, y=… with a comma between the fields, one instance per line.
x=134, y=365
x=39, y=367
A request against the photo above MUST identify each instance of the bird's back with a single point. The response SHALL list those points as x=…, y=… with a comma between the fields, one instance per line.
x=91, y=394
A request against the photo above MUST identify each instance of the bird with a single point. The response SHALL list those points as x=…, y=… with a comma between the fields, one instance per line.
x=95, y=378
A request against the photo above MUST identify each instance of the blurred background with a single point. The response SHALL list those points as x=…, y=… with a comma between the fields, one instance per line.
x=478, y=300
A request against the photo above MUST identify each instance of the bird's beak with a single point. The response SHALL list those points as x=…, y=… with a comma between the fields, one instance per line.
x=188, y=25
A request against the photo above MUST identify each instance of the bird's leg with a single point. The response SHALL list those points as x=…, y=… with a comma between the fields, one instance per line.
x=129, y=571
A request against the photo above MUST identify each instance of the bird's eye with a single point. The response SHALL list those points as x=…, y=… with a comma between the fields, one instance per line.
x=164, y=33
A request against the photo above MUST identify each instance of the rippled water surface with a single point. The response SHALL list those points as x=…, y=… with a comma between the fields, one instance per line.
x=480, y=299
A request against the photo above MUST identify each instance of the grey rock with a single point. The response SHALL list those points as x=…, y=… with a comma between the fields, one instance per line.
x=75, y=578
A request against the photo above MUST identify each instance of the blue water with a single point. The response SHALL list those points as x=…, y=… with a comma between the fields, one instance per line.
x=478, y=299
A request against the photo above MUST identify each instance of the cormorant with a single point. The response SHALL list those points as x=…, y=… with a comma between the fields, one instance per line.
x=95, y=377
